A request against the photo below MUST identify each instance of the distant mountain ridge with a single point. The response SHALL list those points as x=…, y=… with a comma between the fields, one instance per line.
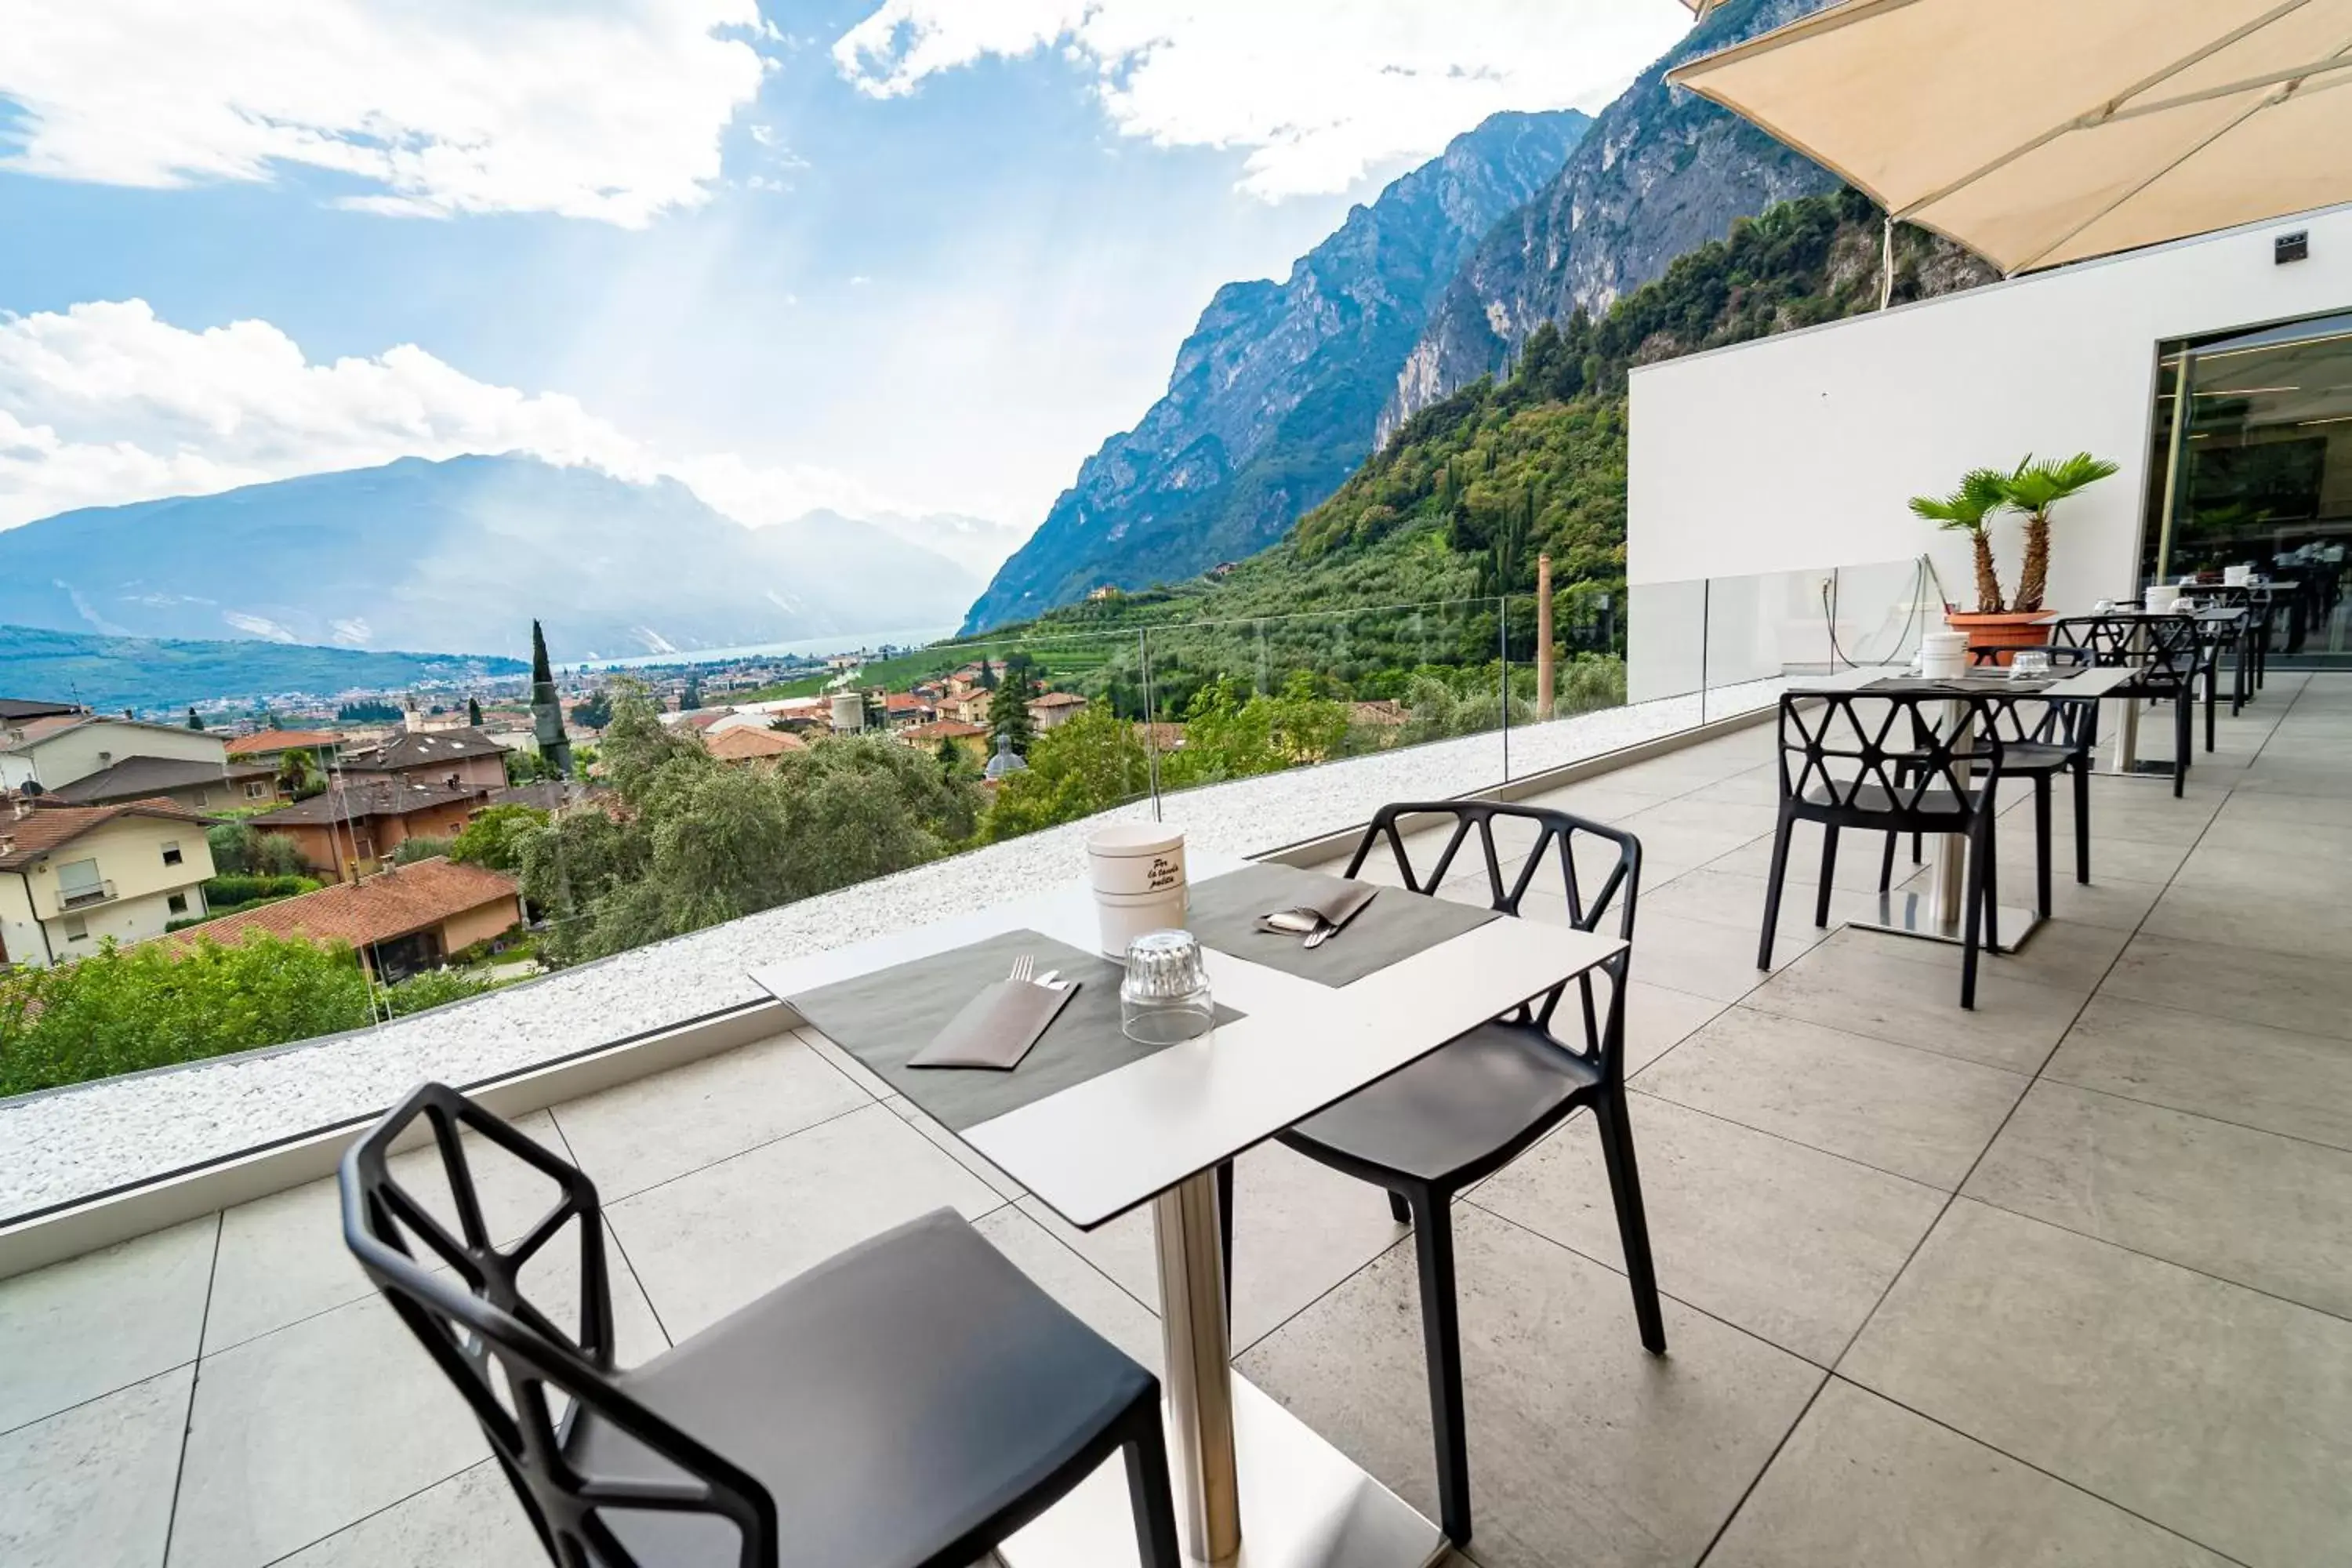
x=1660, y=172
x=459, y=557
x=1274, y=394
x=159, y=677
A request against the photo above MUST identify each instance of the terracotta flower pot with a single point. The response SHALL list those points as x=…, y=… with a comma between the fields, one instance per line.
x=2003, y=628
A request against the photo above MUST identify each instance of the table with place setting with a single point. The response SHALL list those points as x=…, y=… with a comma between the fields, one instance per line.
x=1959, y=700
x=1097, y=1122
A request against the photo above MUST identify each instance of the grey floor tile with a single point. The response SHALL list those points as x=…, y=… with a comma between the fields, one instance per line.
x=961, y=1153
x=103, y=1322
x=1850, y=985
x=2234, y=832
x=2277, y=1080
x=712, y=1241
x=2311, y=927
x=91, y=1486
x=631, y=1137
x=2064, y=954
x=2197, y=974
x=1658, y=1018
x=296, y=1433
x=858, y=1072
x=2255, y=807
x=1857, y=869
x=2220, y=1413
x=470, y=1521
x=282, y=1257
x=1088, y=1293
x=1699, y=957
x=1584, y=1448
x=2252, y=1207
x=1787, y=1242
x=1910, y=1112
x=1299, y=1228
x=1867, y=1484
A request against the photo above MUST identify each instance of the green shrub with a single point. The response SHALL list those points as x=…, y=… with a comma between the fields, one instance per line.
x=433, y=989
x=125, y=1008
x=223, y=894
x=414, y=849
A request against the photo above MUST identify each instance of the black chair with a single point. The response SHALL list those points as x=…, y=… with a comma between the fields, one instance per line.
x=907, y=1404
x=2059, y=736
x=1472, y=1107
x=1848, y=774
x=2167, y=659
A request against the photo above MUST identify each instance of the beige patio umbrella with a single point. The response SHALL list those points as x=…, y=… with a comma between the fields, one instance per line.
x=2040, y=132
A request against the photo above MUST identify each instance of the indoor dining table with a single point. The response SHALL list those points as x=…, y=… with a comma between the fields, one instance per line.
x=1254, y=1485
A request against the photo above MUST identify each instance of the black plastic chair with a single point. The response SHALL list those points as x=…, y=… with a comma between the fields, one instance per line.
x=907, y=1404
x=2060, y=736
x=1465, y=1110
x=2165, y=656
x=1848, y=774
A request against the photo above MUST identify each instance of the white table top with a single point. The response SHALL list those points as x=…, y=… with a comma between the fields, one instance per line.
x=1099, y=1148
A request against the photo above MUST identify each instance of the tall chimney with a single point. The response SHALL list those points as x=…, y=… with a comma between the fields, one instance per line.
x=1543, y=638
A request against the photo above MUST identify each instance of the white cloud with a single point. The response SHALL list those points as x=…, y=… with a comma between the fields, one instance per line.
x=1319, y=90
x=611, y=109
x=104, y=403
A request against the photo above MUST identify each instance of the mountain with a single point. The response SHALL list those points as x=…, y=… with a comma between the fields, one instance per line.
x=977, y=544
x=1661, y=172
x=458, y=557
x=157, y=677
x=1274, y=394
x=1472, y=489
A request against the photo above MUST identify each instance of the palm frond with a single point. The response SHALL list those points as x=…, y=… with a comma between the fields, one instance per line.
x=1981, y=493
x=2037, y=485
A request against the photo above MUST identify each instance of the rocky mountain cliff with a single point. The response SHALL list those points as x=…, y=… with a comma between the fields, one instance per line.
x=1274, y=395
x=1661, y=172
x=459, y=557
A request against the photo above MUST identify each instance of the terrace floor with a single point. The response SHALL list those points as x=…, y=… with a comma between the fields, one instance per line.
x=2067, y=1280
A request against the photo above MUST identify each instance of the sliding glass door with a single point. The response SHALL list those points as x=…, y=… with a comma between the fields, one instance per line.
x=2258, y=471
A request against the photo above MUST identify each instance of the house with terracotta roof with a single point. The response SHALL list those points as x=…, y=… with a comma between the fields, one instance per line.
x=353, y=828
x=71, y=876
x=972, y=738
x=400, y=921
x=270, y=746
x=461, y=758
x=746, y=745
x=1051, y=709
x=54, y=750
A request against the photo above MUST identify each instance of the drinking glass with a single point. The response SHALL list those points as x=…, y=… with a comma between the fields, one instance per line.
x=1164, y=998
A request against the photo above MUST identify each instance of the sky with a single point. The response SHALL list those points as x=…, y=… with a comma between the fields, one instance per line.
x=879, y=256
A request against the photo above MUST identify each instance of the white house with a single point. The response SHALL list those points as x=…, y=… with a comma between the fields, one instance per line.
x=53, y=752
x=1762, y=467
x=71, y=876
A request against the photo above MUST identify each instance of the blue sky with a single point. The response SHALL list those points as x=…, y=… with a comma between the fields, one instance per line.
x=883, y=254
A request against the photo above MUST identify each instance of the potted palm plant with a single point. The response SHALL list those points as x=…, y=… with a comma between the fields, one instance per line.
x=2034, y=489
x=1982, y=493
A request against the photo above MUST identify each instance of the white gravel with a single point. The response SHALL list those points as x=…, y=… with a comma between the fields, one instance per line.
x=94, y=1138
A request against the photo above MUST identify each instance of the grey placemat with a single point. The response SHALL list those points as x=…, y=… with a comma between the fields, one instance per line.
x=1396, y=924
x=887, y=1016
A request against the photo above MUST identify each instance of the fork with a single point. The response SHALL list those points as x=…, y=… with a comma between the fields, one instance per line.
x=1023, y=966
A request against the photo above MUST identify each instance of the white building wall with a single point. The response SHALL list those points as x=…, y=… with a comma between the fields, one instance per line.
x=1799, y=452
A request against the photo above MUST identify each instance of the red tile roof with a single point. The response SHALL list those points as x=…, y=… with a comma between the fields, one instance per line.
x=1056, y=699
x=25, y=839
x=941, y=730
x=380, y=907
x=746, y=744
x=263, y=743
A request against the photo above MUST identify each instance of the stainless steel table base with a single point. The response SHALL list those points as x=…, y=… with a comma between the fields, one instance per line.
x=1196, y=1371
x=1914, y=913
x=1304, y=1504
